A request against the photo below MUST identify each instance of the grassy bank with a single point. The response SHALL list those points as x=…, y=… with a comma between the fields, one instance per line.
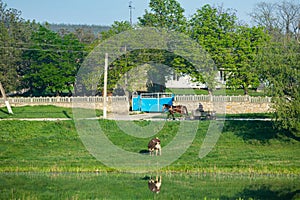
x=67, y=113
x=245, y=147
x=40, y=112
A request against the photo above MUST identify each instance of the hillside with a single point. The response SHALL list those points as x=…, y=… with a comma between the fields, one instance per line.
x=96, y=29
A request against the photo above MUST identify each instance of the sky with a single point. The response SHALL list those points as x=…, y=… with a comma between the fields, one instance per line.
x=105, y=12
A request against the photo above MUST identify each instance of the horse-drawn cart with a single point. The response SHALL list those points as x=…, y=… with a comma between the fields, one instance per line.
x=200, y=114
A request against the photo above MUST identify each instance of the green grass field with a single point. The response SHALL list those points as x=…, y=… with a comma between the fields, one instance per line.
x=40, y=112
x=59, y=112
x=245, y=147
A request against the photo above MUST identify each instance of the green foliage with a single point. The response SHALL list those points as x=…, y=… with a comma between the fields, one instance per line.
x=249, y=42
x=232, y=47
x=164, y=14
x=14, y=34
x=116, y=28
x=279, y=69
x=214, y=31
x=52, y=62
x=35, y=58
x=148, y=66
x=279, y=61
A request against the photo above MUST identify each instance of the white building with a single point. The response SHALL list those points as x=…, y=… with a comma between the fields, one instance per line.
x=184, y=82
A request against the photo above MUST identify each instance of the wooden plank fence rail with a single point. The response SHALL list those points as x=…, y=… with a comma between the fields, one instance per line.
x=178, y=98
x=209, y=98
x=37, y=100
x=234, y=104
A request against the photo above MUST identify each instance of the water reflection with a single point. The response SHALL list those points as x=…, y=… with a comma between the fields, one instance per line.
x=154, y=184
x=134, y=186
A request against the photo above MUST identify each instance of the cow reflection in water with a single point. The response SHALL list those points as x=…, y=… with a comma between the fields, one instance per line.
x=154, y=185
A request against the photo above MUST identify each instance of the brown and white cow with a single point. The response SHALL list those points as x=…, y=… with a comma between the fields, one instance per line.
x=154, y=185
x=154, y=145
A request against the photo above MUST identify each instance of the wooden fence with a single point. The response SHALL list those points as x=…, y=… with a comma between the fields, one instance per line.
x=178, y=98
x=234, y=104
x=48, y=100
x=209, y=98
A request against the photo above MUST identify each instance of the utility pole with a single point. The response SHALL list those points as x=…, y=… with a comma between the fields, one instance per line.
x=5, y=99
x=105, y=87
x=130, y=11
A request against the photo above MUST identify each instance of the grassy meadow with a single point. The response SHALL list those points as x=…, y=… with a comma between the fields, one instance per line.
x=40, y=112
x=244, y=147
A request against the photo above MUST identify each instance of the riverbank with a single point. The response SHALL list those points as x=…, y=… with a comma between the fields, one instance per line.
x=135, y=186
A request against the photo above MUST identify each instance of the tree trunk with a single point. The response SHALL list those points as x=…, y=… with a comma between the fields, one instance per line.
x=5, y=99
x=210, y=91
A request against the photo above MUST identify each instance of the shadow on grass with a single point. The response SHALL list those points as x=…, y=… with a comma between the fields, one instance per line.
x=290, y=135
x=144, y=151
x=252, y=130
x=266, y=192
x=66, y=114
x=3, y=111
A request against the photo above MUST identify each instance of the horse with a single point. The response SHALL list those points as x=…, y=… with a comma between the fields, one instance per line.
x=182, y=110
x=154, y=145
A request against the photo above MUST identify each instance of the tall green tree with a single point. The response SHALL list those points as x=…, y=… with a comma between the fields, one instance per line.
x=233, y=47
x=279, y=61
x=14, y=34
x=248, y=43
x=52, y=62
x=279, y=69
x=164, y=14
x=214, y=29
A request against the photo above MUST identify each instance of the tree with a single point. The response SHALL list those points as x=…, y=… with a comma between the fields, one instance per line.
x=289, y=13
x=282, y=17
x=164, y=14
x=264, y=15
x=279, y=61
x=120, y=71
x=169, y=15
x=233, y=47
x=116, y=28
x=14, y=34
x=214, y=30
x=279, y=69
x=52, y=62
x=248, y=44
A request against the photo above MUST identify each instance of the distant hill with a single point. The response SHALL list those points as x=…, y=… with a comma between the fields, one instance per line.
x=96, y=29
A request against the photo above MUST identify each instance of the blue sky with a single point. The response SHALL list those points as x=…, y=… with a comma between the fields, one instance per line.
x=105, y=12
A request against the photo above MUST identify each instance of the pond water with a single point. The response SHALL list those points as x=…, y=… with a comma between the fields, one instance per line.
x=145, y=186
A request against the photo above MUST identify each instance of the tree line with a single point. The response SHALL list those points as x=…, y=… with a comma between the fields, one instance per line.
x=43, y=62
